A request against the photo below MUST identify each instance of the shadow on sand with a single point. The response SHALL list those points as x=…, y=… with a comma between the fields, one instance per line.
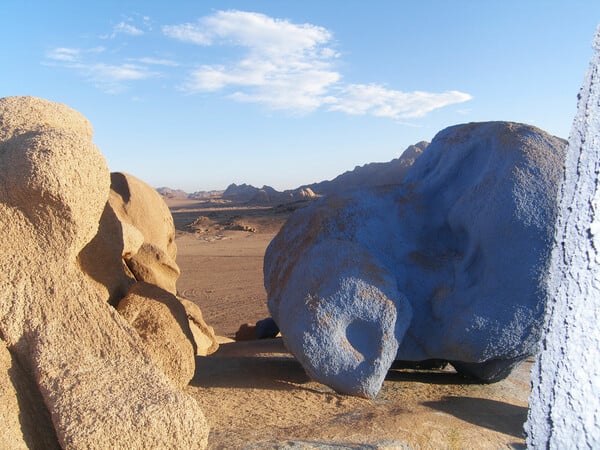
x=255, y=372
x=266, y=364
x=443, y=377
x=259, y=364
x=492, y=414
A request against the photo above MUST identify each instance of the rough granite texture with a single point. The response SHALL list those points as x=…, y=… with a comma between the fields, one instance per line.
x=141, y=209
x=135, y=243
x=316, y=445
x=96, y=379
x=161, y=322
x=135, y=240
x=448, y=265
x=204, y=335
x=564, y=404
x=25, y=420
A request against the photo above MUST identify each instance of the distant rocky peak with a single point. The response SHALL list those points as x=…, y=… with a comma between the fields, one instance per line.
x=373, y=174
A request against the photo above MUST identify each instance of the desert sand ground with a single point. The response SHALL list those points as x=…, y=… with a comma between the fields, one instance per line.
x=256, y=395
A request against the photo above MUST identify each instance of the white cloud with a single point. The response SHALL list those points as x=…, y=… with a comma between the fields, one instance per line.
x=298, y=93
x=132, y=26
x=255, y=31
x=292, y=66
x=286, y=65
x=156, y=61
x=117, y=72
x=187, y=32
x=279, y=64
x=63, y=54
x=376, y=100
x=111, y=78
x=126, y=28
x=280, y=86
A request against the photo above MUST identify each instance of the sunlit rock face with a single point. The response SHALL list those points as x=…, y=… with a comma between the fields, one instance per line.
x=99, y=386
x=450, y=264
x=565, y=398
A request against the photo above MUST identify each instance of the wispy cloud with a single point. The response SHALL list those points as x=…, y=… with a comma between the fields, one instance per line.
x=69, y=56
x=187, y=32
x=252, y=30
x=118, y=72
x=376, y=100
x=63, y=54
x=131, y=26
x=156, y=61
x=109, y=77
x=112, y=78
x=127, y=28
x=292, y=66
x=278, y=64
x=285, y=65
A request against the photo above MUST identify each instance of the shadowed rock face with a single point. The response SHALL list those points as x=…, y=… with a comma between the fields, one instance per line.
x=448, y=265
x=25, y=420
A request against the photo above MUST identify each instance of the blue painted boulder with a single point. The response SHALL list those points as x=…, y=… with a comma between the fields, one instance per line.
x=449, y=264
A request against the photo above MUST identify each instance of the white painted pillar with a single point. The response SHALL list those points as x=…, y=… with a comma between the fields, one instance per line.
x=564, y=410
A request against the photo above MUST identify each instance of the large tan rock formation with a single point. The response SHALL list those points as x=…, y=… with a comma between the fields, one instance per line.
x=135, y=240
x=135, y=243
x=94, y=374
x=141, y=209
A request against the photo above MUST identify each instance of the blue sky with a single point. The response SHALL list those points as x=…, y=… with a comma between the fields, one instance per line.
x=198, y=94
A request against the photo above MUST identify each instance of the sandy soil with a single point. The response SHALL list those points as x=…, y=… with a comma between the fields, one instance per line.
x=256, y=395
x=224, y=278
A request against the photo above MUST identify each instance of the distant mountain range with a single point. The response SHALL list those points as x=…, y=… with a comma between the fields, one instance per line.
x=372, y=174
x=266, y=195
x=178, y=193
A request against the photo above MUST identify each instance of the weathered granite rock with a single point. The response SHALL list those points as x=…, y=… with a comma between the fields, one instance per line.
x=262, y=329
x=246, y=332
x=25, y=420
x=136, y=243
x=135, y=240
x=564, y=409
x=320, y=445
x=103, y=258
x=142, y=208
x=448, y=265
x=204, y=335
x=96, y=379
x=161, y=322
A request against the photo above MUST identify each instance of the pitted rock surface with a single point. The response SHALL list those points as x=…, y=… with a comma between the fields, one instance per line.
x=94, y=375
x=457, y=252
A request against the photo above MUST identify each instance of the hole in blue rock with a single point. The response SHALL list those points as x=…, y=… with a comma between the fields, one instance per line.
x=365, y=337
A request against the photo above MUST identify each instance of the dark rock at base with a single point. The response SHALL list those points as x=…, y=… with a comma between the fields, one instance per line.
x=266, y=328
x=246, y=332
